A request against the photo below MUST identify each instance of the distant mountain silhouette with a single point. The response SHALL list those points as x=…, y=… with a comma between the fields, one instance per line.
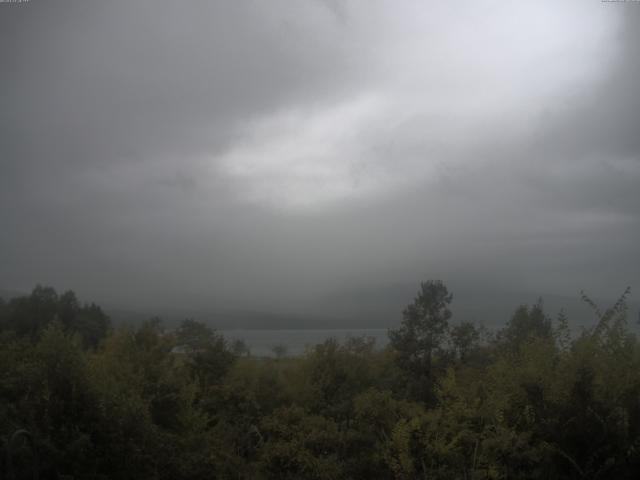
x=368, y=307
x=381, y=307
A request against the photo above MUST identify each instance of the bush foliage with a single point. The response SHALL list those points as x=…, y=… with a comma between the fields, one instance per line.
x=444, y=400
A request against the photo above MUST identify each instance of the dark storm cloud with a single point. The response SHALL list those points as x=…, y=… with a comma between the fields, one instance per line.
x=193, y=153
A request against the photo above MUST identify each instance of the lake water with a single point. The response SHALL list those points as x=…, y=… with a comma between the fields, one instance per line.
x=261, y=342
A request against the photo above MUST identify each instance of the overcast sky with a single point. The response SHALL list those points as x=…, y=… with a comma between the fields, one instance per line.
x=275, y=154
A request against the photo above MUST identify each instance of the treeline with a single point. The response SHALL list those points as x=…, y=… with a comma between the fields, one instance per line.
x=80, y=399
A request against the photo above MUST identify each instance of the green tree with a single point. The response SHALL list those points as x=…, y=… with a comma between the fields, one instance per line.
x=464, y=337
x=422, y=332
x=299, y=445
x=526, y=324
x=29, y=314
x=207, y=352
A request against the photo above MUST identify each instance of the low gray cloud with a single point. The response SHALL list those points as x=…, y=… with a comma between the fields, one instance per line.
x=272, y=155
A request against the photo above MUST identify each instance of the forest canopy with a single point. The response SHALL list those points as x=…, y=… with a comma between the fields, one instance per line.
x=82, y=399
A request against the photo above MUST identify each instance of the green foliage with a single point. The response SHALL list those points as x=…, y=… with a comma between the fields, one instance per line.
x=207, y=353
x=80, y=400
x=421, y=335
x=300, y=445
x=28, y=316
x=464, y=338
x=334, y=374
x=525, y=324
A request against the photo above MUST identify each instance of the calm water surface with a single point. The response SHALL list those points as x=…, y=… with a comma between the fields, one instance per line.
x=261, y=342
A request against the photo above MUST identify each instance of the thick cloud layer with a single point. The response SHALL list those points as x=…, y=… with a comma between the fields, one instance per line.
x=279, y=155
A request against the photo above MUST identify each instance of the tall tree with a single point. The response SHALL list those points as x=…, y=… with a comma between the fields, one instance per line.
x=424, y=326
x=207, y=351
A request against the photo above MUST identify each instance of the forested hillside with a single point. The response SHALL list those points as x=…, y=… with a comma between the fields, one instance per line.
x=445, y=400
